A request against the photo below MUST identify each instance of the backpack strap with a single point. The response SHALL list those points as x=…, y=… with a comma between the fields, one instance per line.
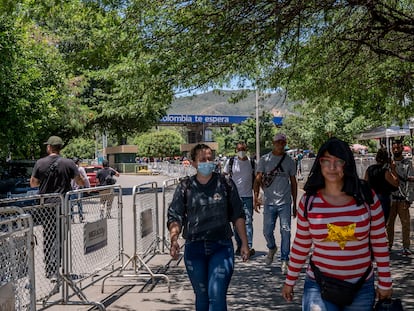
x=186, y=188
x=231, y=162
x=308, y=205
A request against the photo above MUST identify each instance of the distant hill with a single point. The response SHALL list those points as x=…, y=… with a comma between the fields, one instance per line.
x=217, y=103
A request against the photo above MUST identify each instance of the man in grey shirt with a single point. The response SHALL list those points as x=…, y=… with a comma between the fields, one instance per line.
x=276, y=173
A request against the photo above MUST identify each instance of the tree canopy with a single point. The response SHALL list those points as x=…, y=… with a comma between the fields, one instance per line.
x=74, y=67
x=358, y=54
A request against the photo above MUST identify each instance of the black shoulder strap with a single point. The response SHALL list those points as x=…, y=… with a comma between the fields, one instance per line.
x=185, y=189
x=227, y=187
x=279, y=165
x=52, y=166
x=253, y=164
x=319, y=276
x=366, y=192
x=231, y=161
x=308, y=205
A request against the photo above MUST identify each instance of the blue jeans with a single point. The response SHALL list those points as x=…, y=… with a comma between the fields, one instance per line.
x=270, y=215
x=210, y=266
x=78, y=202
x=312, y=300
x=248, y=210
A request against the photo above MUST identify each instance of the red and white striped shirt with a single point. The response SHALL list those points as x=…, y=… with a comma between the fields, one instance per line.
x=340, y=236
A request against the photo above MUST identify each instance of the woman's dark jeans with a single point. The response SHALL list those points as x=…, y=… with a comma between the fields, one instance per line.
x=210, y=266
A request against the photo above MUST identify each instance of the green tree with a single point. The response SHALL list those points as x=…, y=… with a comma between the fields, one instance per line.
x=361, y=51
x=246, y=132
x=159, y=144
x=322, y=120
x=31, y=89
x=81, y=148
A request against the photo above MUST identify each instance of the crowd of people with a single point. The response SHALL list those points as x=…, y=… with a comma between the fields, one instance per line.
x=345, y=225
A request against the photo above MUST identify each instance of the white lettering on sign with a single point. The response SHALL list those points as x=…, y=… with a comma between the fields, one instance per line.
x=177, y=118
x=217, y=119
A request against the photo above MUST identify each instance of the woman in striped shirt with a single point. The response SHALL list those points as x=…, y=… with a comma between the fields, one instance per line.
x=339, y=226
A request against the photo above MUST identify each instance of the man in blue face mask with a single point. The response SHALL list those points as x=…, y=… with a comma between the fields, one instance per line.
x=241, y=169
x=202, y=209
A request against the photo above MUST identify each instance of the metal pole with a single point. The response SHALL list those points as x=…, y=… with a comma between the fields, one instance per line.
x=257, y=127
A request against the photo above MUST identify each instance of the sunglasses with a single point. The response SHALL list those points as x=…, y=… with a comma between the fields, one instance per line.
x=327, y=162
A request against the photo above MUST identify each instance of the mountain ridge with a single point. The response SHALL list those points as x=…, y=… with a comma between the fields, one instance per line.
x=221, y=102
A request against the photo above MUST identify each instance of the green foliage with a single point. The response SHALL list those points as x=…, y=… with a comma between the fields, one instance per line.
x=81, y=148
x=75, y=67
x=31, y=90
x=165, y=143
x=246, y=132
x=356, y=53
x=319, y=121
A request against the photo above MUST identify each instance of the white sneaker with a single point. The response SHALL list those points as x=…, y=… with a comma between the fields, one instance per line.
x=284, y=267
x=270, y=255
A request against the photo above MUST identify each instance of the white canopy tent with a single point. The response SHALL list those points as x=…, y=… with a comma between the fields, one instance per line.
x=385, y=132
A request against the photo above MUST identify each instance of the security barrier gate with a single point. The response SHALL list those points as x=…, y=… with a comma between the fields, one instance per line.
x=146, y=233
x=17, y=279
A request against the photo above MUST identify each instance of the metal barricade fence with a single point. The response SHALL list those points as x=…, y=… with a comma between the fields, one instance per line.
x=362, y=165
x=306, y=164
x=146, y=233
x=173, y=170
x=17, y=279
x=168, y=190
x=94, y=240
x=45, y=211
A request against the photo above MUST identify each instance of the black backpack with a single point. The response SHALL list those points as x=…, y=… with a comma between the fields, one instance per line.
x=186, y=189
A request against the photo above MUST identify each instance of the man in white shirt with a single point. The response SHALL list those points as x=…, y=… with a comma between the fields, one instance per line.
x=242, y=170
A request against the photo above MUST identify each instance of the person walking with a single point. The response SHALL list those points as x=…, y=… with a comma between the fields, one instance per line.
x=276, y=174
x=105, y=177
x=76, y=197
x=342, y=222
x=400, y=200
x=202, y=208
x=299, y=158
x=53, y=174
x=241, y=170
x=383, y=179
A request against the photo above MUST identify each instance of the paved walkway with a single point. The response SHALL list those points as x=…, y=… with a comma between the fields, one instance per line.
x=254, y=285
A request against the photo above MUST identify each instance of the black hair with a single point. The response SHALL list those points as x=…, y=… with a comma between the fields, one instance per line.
x=196, y=149
x=55, y=148
x=341, y=150
x=105, y=163
x=382, y=156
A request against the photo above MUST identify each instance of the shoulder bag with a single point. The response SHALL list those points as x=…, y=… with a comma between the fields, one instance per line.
x=337, y=291
x=269, y=177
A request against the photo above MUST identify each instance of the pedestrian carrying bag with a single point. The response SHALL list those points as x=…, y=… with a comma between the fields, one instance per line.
x=269, y=177
x=339, y=292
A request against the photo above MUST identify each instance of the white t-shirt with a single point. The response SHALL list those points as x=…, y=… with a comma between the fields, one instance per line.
x=242, y=176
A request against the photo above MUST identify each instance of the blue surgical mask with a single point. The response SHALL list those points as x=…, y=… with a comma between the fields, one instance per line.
x=206, y=168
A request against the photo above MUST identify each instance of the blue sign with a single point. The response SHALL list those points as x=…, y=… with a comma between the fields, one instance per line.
x=219, y=120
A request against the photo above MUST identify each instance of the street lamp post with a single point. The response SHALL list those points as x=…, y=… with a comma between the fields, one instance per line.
x=257, y=127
